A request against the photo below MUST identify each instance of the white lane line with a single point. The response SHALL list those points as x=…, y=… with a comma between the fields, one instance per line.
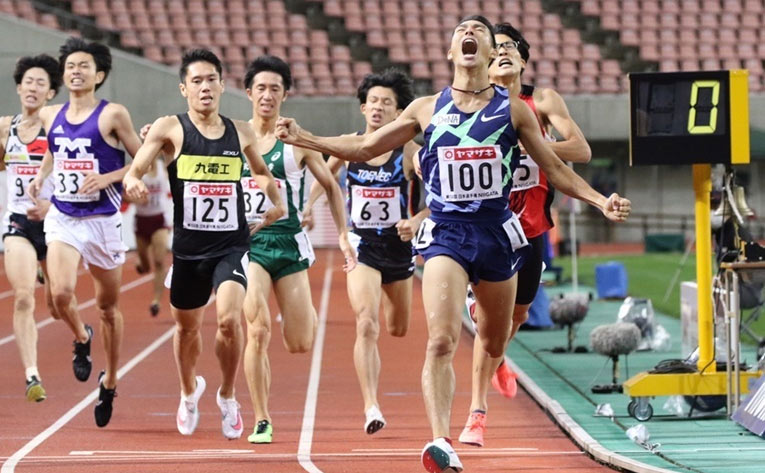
x=10, y=464
x=309, y=412
x=84, y=305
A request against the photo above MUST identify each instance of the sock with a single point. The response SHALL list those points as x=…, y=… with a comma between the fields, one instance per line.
x=480, y=411
x=32, y=371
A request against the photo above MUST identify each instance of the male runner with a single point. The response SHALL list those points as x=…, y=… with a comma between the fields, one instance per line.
x=379, y=192
x=210, y=231
x=281, y=253
x=84, y=221
x=471, y=137
x=22, y=147
x=530, y=199
x=152, y=229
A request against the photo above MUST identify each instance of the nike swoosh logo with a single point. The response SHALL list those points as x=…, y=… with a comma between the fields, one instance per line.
x=485, y=119
x=237, y=273
x=238, y=424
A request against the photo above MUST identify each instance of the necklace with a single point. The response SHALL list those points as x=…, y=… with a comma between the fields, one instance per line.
x=473, y=92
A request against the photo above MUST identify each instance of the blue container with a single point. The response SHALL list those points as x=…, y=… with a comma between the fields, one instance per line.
x=611, y=280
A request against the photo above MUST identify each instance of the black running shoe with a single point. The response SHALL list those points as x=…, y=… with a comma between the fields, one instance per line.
x=103, y=410
x=154, y=309
x=81, y=363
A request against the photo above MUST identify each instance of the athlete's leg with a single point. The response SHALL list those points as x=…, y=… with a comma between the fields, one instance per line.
x=187, y=345
x=158, y=251
x=364, y=293
x=444, y=287
x=257, y=368
x=397, y=305
x=142, y=249
x=229, y=339
x=63, y=260
x=21, y=269
x=48, y=295
x=107, y=283
x=299, y=319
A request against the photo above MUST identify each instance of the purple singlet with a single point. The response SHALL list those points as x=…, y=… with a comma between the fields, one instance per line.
x=77, y=151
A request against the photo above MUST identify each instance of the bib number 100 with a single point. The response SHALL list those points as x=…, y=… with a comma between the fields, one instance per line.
x=468, y=175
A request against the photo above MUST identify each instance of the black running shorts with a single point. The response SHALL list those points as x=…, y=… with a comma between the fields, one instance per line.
x=530, y=273
x=19, y=225
x=192, y=281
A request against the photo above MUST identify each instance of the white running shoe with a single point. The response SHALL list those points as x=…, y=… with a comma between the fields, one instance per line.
x=188, y=411
x=438, y=456
x=231, y=424
x=375, y=420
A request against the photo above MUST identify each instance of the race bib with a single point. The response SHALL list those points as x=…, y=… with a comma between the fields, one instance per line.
x=19, y=177
x=375, y=207
x=210, y=206
x=69, y=175
x=526, y=175
x=515, y=232
x=424, y=234
x=470, y=173
x=256, y=203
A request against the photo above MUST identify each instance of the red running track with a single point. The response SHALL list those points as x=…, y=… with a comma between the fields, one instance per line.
x=316, y=404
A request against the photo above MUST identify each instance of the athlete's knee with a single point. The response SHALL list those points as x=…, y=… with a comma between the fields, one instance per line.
x=298, y=344
x=367, y=327
x=24, y=301
x=62, y=297
x=259, y=334
x=398, y=329
x=228, y=325
x=520, y=318
x=442, y=345
x=494, y=346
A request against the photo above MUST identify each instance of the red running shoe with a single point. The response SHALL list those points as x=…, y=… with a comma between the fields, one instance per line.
x=504, y=381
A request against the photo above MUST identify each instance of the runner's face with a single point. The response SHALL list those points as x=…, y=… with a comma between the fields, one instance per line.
x=80, y=72
x=34, y=90
x=508, y=64
x=471, y=44
x=202, y=87
x=380, y=107
x=267, y=94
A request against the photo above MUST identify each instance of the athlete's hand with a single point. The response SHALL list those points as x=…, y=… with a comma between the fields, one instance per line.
x=617, y=209
x=144, y=131
x=407, y=228
x=38, y=211
x=348, y=253
x=93, y=182
x=33, y=190
x=307, y=221
x=287, y=130
x=135, y=189
x=416, y=165
x=273, y=214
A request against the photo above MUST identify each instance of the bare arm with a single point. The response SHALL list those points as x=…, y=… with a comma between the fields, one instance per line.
x=560, y=175
x=358, y=148
x=260, y=173
x=5, y=124
x=158, y=136
x=123, y=129
x=574, y=146
x=325, y=178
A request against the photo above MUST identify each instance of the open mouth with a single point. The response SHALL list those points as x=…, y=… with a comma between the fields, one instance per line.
x=206, y=100
x=469, y=46
x=505, y=62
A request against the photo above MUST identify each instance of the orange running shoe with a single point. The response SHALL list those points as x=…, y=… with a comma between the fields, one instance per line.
x=474, y=429
x=504, y=381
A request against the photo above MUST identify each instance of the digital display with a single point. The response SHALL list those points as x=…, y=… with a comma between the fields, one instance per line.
x=685, y=117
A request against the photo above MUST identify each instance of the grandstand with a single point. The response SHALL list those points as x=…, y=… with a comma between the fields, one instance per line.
x=578, y=46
